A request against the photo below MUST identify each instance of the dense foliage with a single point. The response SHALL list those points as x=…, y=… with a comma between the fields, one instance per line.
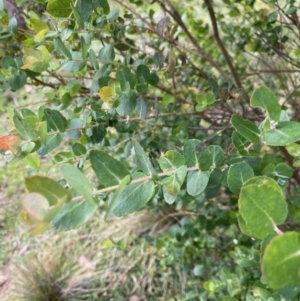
x=177, y=106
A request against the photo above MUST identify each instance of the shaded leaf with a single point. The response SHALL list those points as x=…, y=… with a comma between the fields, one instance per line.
x=62, y=49
x=190, y=150
x=55, y=120
x=107, y=54
x=246, y=128
x=74, y=214
x=141, y=107
x=237, y=175
x=217, y=155
x=53, y=141
x=25, y=131
x=116, y=195
x=134, y=197
x=78, y=181
x=109, y=171
x=173, y=183
x=171, y=160
x=142, y=159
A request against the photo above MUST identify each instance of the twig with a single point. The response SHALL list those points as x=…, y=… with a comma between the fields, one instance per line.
x=224, y=51
x=176, y=16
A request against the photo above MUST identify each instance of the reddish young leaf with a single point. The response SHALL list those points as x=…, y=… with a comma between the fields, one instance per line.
x=9, y=142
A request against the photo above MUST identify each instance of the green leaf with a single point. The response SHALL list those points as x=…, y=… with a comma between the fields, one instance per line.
x=171, y=160
x=241, y=143
x=17, y=81
x=264, y=98
x=53, y=141
x=154, y=79
x=197, y=181
x=99, y=133
x=142, y=159
x=169, y=198
x=158, y=59
x=93, y=59
x=173, y=183
x=217, y=155
x=286, y=132
x=13, y=25
x=190, y=150
x=85, y=8
x=42, y=131
x=134, y=197
x=204, y=100
x=62, y=49
x=141, y=107
x=36, y=60
x=109, y=171
x=47, y=187
x=116, y=195
x=246, y=128
x=243, y=225
x=281, y=170
x=58, y=8
x=291, y=10
x=114, y=14
x=124, y=75
x=104, y=5
x=143, y=71
x=78, y=149
x=55, y=120
x=107, y=54
x=262, y=203
x=282, y=254
x=205, y=159
x=74, y=214
x=293, y=149
x=78, y=181
x=75, y=123
x=25, y=131
x=227, y=298
x=84, y=48
x=237, y=175
x=78, y=17
x=33, y=161
x=76, y=64
x=127, y=101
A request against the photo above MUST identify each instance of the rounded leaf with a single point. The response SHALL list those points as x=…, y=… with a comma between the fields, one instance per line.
x=262, y=206
x=281, y=261
x=237, y=175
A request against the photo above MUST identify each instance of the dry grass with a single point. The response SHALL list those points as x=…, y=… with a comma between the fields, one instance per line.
x=98, y=261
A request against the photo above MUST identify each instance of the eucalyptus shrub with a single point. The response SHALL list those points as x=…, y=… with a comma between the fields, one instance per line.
x=194, y=106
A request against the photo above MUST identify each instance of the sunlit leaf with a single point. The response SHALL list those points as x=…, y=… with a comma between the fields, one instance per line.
x=262, y=206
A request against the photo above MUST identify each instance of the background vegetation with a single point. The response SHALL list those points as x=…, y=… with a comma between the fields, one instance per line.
x=163, y=137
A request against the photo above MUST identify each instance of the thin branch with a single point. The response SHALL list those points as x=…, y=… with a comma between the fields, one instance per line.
x=139, y=180
x=224, y=51
x=176, y=16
